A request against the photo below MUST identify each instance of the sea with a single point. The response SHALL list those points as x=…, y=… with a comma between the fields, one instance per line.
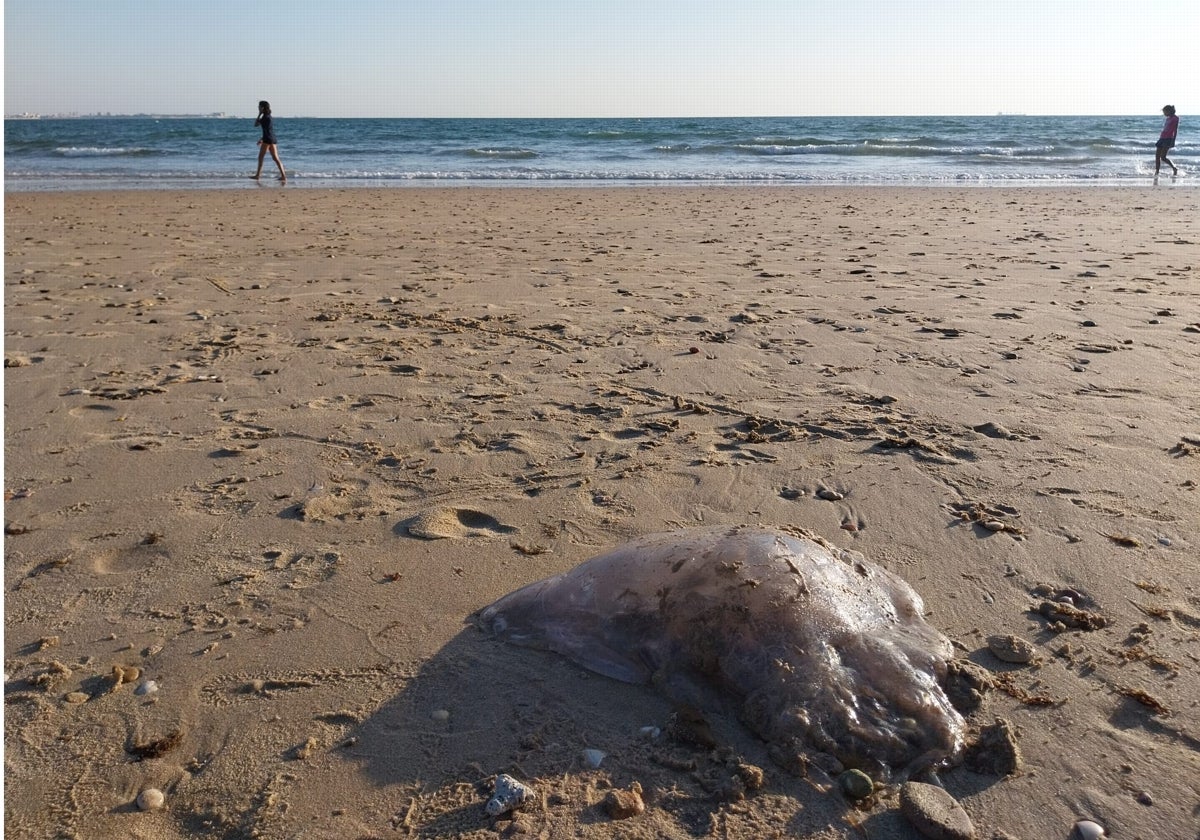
x=148, y=152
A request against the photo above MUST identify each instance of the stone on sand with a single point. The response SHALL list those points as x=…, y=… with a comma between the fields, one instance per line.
x=934, y=813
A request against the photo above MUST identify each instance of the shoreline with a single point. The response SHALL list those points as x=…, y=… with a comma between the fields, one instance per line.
x=274, y=450
x=299, y=182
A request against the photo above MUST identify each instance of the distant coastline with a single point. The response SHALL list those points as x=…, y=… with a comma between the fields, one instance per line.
x=220, y=115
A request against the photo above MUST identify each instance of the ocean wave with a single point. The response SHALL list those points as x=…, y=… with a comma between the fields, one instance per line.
x=104, y=151
x=42, y=181
x=870, y=148
x=492, y=153
x=717, y=176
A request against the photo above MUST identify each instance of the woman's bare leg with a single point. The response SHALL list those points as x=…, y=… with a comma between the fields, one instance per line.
x=278, y=162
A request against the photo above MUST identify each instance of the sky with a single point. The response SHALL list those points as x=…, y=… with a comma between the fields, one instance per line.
x=600, y=58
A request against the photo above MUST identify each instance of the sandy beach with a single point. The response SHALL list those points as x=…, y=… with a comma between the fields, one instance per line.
x=267, y=452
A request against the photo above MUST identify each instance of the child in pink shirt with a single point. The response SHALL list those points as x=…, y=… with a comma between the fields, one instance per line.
x=1166, y=140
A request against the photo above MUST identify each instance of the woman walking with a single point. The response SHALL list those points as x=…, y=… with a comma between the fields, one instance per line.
x=1166, y=140
x=268, y=143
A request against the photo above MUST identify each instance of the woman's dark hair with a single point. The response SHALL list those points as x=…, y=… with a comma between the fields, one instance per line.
x=264, y=105
x=1170, y=109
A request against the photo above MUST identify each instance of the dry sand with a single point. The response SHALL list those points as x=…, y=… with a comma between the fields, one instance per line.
x=272, y=448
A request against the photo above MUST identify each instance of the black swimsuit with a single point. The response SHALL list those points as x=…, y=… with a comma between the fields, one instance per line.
x=268, y=137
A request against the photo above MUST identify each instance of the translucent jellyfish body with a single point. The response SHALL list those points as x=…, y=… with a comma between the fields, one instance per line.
x=816, y=648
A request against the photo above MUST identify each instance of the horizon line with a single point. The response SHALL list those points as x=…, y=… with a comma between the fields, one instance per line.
x=226, y=115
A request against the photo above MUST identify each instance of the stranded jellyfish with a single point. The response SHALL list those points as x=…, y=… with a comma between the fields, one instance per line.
x=817, y=649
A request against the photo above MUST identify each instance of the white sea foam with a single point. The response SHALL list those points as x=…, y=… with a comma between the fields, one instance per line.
x=100, y=151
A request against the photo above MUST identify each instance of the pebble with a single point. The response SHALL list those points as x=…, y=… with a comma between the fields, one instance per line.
x=440, y=715
x=650, y=733
x=593, y=758
x=830, y=495
x=1088, y=830
x=934, y=813
x=151, y=799
x=1011, y=649
x=507, y=794
x=125, y=674
x=623, y=804
x=76, y=697
x=856, y=784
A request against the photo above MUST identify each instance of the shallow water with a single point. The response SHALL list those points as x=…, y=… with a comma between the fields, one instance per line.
x=817, y=648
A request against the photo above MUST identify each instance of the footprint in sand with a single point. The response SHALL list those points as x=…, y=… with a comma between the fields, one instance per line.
x=138, y=558
x=454, y=523
x=92, y=410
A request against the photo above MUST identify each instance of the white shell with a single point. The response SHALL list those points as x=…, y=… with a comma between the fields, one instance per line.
x=151, y=799
x=507, y=794
x=593, y=758
x=146, y=687
x=1088, y=830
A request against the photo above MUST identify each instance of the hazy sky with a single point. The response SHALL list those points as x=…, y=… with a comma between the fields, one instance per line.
x=601, y=57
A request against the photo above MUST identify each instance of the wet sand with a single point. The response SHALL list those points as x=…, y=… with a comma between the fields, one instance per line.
x=271, y=449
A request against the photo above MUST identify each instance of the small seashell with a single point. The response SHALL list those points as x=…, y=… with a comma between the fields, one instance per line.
x=995, y=525
x=830, y=495
x=507, y=794
x=593, y=758
x=146, y=687
x=440, y=715
x=76, y=697
x=1088, y=830
x=650, y=733
x=151, y=799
